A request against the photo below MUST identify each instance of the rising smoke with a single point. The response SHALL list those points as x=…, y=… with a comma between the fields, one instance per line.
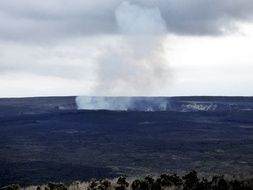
x=136, y=66
x=124, y=103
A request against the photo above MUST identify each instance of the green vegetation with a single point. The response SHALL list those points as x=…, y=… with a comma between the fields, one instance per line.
x=190, y=181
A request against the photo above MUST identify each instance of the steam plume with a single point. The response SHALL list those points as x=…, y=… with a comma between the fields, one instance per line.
x=136, y=66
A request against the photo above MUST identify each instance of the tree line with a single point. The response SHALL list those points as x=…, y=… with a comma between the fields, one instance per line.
x=190, y=181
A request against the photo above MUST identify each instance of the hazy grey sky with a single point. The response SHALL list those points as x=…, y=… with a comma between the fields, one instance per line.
x=134, y=47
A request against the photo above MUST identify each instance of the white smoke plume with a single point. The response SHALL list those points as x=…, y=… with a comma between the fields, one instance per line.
x=135, y=66
x=123, y=103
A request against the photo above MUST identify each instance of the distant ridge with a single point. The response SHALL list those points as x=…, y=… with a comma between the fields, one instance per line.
x=177, y=103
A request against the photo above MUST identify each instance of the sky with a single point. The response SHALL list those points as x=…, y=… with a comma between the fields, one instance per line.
x=126, y=48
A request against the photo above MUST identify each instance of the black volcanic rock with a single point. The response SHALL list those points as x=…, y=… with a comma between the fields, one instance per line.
x=48, y=139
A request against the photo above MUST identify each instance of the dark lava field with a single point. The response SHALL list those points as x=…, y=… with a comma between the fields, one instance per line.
x=49, y=139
